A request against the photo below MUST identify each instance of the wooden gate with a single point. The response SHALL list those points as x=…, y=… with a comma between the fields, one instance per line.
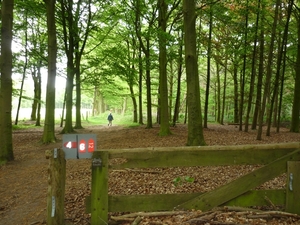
x=275, y=159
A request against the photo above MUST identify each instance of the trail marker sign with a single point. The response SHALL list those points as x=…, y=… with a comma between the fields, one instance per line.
x=79, y=146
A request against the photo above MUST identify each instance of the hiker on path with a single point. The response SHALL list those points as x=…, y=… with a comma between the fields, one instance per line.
x=110, y=119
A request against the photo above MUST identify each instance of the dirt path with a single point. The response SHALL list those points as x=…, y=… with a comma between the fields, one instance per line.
x=23, y=182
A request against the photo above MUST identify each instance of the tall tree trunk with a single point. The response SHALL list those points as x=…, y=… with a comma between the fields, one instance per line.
x=24, y=70
x=67, y=22
x=78, y=54
x=243, y=75
x=35, y=90
x=148, y=85
x=62, y=119
x=131, y=77
x=39, y=96
x=295, y=122
x=236, y=93
x=269, y=72
x=260, y=76
x=163, y=78
x=49, y=126
x=195, y=130
x=78, y=97
x=218, y=93
x=140, y=87
x=171, y=87
x=208, y=69
x=224, y=88
x=6, y=146
x=68, y=127
x=278, y=69
x=134, y=103
x=146, y=49
x=179, y=74
x=253, y=70
x=281, y=90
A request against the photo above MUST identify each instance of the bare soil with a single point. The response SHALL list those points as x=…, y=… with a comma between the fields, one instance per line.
x=23, y=182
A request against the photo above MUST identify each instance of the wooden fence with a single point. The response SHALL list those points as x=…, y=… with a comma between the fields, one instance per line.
x=275, y=159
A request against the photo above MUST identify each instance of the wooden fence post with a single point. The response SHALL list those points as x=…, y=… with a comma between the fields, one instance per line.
x=293, y=187
x=99, y=195
x=56, y=187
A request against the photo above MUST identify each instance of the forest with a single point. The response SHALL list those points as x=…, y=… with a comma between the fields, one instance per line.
x=160, y=61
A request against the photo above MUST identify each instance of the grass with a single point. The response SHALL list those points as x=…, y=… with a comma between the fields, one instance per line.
x=101, y=119
x=118, y=120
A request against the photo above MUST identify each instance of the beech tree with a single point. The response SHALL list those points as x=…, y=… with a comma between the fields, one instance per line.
x=144, y=38
x=49, y=124
x=6, y=145
x=163, y=88
x=295, y=123
x=279, y=66
x=195, y=130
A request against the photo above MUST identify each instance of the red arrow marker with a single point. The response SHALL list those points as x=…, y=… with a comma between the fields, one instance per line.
x=91, y=145
x=82, y=146
x=70, y=144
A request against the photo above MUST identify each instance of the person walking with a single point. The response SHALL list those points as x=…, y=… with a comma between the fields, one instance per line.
x=110, y=119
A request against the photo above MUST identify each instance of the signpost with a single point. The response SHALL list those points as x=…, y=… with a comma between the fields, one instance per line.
x=75, y=146
x=79, y=146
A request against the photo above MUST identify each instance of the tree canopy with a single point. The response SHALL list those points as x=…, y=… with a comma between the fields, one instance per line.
x=161, y=61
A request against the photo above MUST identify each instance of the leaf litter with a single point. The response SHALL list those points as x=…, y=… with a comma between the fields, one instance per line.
x=23, y=182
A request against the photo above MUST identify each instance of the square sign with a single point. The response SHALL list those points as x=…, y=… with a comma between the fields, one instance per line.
x=79, y=146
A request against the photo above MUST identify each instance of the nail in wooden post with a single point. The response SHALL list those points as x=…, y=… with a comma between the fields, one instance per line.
x=99, y=195
x=293, y=187
x=56, y=186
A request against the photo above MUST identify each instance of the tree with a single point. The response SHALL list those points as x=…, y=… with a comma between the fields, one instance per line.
x=243, y=74
x=25, y=67
x=49, y=125
x=209, y=56
x=72, y=25
x=144, y=41
x=6, y=145
x=70, y=38
x=295, y=123
x=253, y=70
x=179, y=75
x=279, y=62
x=268, y=72
x=163, y=81
x=195, y=130
x=260, y=72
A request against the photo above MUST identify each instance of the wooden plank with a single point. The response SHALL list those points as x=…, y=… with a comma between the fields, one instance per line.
x=200, y=156
x=241, y=185
x=167, y=202
x=258, y=198
x=56, y=187
x=293, y=187
x=99, y=192
x=147, y=203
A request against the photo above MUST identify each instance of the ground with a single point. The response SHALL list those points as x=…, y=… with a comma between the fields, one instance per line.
x=23, y=182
